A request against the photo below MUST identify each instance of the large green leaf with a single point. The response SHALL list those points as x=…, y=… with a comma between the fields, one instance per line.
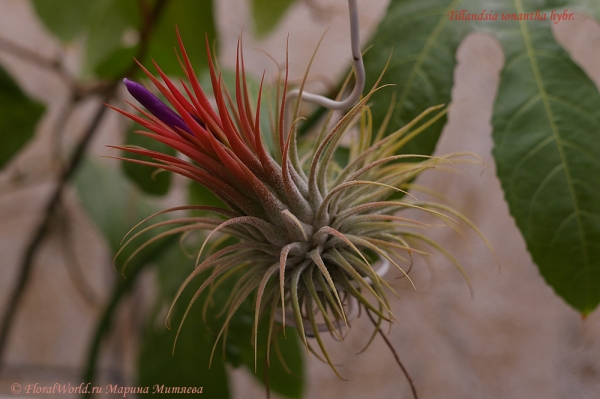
x=200, y=195
x=116, y=206
x=67, y=19
x=105, y=25
x=422, y=42
x=18, y=118
x=546, y=122
x=101, y=23
x=188, y=364
x=194, y=18
x=285, y=377
x=187, y=367
x=547, y=149
x=286, y=361
x=267, y=13
x=107, y=29
x=590, y=7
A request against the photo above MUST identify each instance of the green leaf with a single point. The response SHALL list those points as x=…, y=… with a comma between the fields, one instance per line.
x=194, y=19
x=590, y=7
x=546, y=121
x=117, y=62
x=149, y=179
x=115, y=205
x=18, y=118
x=422, y=43
x=266, y=14
x=286, y=367
x=101, y=23
x=188, y=366
x=67, y=19
x=104, y=25
x=546, y=128
x=200, y=195
x=239, y=348
x=106, y=30
x=286, y=361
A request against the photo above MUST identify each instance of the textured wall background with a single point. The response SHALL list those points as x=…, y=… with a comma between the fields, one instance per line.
x=514, y=339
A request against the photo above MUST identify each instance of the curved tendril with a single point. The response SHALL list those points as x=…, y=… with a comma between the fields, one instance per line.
x=359, y=67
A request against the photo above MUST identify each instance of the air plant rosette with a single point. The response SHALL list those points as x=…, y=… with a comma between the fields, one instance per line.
x=309, y=239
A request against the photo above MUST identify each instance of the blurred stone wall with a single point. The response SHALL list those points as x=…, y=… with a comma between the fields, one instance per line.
x=514, y=339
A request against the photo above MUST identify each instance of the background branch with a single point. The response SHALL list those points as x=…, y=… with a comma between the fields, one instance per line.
x=56, y=65
x=107, y=92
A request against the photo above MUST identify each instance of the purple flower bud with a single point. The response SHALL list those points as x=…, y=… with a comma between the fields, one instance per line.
x=155, y=106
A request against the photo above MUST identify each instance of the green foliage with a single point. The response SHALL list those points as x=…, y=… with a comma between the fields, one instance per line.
x=589, y=7
x=188, y=364
x=18, y=118
x=267, y=13
x=286, y=362
x=200, y=195
x=104, y=25
x=194, y=18
x=117, y=62
x=422, y=43
x=546, y=126
x=286, y=359
x=149, y=179
x=101, y=23
x=67, y=19
x=120, y=208
x=197, y=337
x=187, y=367
x=546, y=122
x=106, y=31
x=546, y=119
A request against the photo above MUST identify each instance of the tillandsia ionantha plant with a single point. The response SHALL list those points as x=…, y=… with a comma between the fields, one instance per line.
x=308, y=238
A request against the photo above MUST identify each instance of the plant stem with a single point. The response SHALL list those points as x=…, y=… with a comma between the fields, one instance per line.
x=359, y=69
x=40, y=231
x=389, y=344
x=55, y=65
x=122, y=287
x=44, y=225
